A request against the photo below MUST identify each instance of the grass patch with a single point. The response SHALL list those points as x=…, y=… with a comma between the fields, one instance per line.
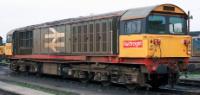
x=191, y=74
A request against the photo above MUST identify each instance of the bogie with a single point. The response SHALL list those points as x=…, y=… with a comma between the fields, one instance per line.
x=103, y=73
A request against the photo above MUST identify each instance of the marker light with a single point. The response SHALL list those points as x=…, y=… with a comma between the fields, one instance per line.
x=186, y=42
x=156, y=41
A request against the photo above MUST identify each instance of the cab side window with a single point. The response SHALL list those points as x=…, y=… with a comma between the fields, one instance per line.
x=132, y=27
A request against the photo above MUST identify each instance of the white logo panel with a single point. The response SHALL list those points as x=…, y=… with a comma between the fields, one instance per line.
x=53, y=44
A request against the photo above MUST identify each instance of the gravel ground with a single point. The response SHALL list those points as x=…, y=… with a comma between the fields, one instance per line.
x=57, y=83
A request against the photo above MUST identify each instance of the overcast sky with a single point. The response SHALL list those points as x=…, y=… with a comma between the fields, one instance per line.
x=19, y=13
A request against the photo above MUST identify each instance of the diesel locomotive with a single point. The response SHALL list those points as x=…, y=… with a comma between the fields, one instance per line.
x=145, y=46
x=5, y=49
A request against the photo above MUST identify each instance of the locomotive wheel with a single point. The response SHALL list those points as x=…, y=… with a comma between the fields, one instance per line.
x=131, y=87
x=87, y=78
x=84, y=80
x=38, y=74
x=155, y=86
x=105, y=83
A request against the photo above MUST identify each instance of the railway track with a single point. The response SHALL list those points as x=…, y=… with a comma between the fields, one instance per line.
x=188, y=82
x=91, y=88
x=194, y=60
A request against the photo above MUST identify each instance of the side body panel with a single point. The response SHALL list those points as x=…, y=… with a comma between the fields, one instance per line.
x=84, y=38
x=67, y=39
x=44, y=33
x=36, y=41
x=23, y=42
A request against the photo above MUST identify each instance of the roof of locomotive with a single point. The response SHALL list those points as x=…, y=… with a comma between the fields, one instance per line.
x=145, y=11
x=74, y=20
x=11, y=32
x=129, y=14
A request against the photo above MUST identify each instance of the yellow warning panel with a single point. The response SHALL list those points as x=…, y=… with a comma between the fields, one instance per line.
x=148, y=45
x=8, y=49
x=2, y=50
